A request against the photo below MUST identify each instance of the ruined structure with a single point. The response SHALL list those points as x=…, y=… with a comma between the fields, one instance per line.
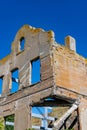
x=62, y=77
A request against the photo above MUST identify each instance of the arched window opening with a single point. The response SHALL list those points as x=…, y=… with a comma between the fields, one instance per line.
x=22, y=43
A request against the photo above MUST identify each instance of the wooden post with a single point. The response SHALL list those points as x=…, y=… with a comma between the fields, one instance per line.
x=82, y=110
x=60, y=122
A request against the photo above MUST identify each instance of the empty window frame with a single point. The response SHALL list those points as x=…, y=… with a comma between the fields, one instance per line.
x=9, y=122
x=15, y=84
x=42, y=117
x=22, y=43
x=1, y=84
x=35, y=71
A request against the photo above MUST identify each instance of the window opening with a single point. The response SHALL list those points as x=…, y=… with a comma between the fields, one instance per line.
x=42, y=118
x=22, y=43
x=15, y=84
x=35, y=66
x=1, y=84
x=9, y=122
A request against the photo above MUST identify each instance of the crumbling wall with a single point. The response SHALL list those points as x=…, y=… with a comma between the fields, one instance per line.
x=38, y=44
x=62, y=76
x=69, y=70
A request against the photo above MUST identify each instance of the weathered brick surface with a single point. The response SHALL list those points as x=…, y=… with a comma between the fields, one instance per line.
x=63, y=75
x=70, y=70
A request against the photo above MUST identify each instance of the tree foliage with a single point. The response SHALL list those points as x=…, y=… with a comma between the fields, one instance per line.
x=9, y=119
x=1, y=123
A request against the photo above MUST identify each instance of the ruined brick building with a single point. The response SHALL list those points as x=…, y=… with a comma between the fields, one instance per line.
x=62, y=78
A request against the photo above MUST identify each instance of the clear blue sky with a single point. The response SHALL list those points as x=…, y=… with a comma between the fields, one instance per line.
x=64, y=17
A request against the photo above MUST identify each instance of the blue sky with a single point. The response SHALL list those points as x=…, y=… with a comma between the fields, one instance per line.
x=64, y=17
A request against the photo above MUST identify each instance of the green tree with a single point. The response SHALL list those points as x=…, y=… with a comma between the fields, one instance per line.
x=1, y=123
x=9, y=118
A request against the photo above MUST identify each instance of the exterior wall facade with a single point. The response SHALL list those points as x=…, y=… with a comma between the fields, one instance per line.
x=70, y=70
x=38, y=44
x=62, y=75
